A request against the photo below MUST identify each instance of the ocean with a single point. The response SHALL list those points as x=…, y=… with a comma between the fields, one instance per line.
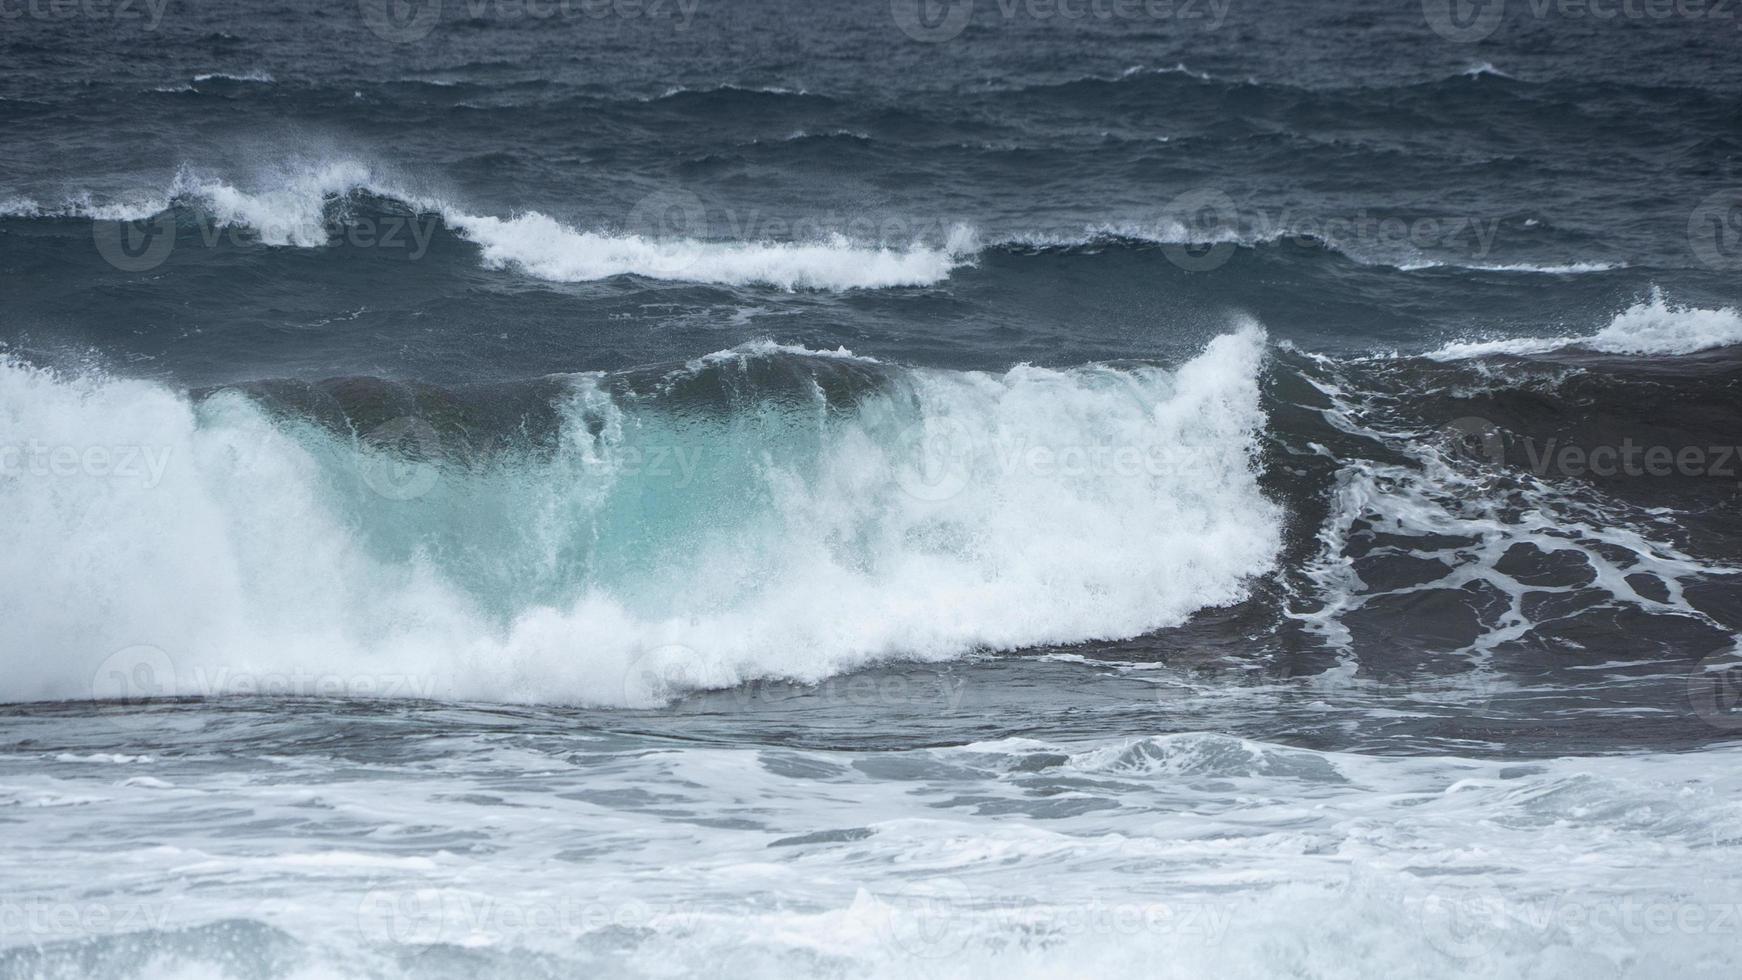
x=926, y=488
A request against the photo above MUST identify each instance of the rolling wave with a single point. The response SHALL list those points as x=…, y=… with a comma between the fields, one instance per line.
x=293, y=211
x=295, y=205
x=1652, y=326
x=761, y=512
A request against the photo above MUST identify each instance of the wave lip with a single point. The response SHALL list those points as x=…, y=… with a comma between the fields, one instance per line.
x=293, y=210
x=1650, y=327
x=544, y=248
x=247, y=76
x=1546, y=269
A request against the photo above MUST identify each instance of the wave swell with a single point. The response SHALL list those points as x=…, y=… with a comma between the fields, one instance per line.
x=293, y=209
x=759, y=513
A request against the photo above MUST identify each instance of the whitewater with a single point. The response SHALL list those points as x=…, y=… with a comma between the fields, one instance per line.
x=496, y=490
x=944, y=514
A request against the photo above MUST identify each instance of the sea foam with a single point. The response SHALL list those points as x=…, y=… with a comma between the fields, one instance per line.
x=1651, y=326
x=945, y=513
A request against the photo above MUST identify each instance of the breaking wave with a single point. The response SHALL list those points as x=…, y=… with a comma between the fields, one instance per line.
x=762, y=512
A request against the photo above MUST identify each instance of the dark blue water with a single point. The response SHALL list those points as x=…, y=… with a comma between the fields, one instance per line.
x=802, y=449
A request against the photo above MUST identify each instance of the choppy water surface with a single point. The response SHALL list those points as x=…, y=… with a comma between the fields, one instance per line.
x=869, y=490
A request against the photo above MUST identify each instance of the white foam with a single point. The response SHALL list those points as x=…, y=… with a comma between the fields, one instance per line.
x=1484, y=68
x=1160, y=232
x=957, y=512
x=545, y=248
x=1182, y=855
x=764, y=347
x=677, y=90
x=1260, y=229
x=1179, y=68
x=1452, y=511
x=292, y=212
x=247, y=76
x=1652, y=326
x=288, y=211
x=1548, y=269
x=288, y=207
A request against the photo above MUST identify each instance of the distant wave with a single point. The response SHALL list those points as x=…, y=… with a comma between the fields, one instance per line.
x=1178, y=69
x=681, y=90
x=290, y=209
x=1132, y=73
x=1174, y=233
x=1484, y=68
x=248, y=76
x=545, y=248
x=1547, y=269
x=1653, y=326
x=292, y=212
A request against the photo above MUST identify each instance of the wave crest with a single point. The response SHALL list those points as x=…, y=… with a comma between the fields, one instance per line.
x=656, y=546
x=1652, y=326
x=291, y=210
